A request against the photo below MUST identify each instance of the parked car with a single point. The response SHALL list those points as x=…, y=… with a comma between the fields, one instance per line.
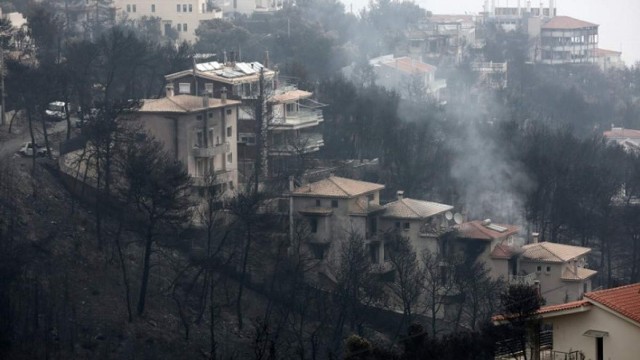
x=56, y=111
x=28, y=148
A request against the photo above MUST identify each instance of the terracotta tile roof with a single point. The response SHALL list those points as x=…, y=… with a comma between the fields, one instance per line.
x=622, y=133
x=414, y=209
x=580, y=274
x=501, y=251
x=410, y=66
x=604, y=52
x=338, y=187
x=476, y=230
x=552, y=252
x=624, y=300
x=551, y=308
x=567, y=23
x=181, y=104
x=290, y=96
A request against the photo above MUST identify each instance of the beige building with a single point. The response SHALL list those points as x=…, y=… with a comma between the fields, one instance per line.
x=336, y=208
x=608, y=59
x=200, y=131
x=422, y=222
x=559, y=269
x=180, y=17
x=605, y=325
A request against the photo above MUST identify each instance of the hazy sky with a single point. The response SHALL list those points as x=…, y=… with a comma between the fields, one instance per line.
x=619, y=19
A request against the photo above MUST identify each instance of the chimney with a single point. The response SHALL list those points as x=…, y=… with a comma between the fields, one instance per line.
x=224, y=56
x=535, y=237
x=400, y=194
x=223, y=95
x=266, y=59
x=232, y=56
x=169, y=90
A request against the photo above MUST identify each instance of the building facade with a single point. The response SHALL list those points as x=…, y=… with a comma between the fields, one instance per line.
x=200, y=132
x=178, y=18
x=565, y=40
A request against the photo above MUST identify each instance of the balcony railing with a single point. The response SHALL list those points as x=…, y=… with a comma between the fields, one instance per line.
x=297, y=119
x=528, y=279
x=210, y=151
x=305, y=143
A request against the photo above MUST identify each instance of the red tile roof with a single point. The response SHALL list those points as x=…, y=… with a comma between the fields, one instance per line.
x=567, y=23
x=621, y=133
x=624, y=300
x=552, y=308
x=475, y=230
x=410, y=66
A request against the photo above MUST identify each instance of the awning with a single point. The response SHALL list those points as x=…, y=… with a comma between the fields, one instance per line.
x=596, y=333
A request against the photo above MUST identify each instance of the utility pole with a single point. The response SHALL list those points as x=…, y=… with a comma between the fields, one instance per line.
x=2, y=88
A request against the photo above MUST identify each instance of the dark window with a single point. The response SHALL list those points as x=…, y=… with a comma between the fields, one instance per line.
x=599, y=349
x=190, y=8
x=406, y=226
x=334, y=203
x=313, y=223
x=184, y=8
x=548, y=269
x=228, y=111
x=184, y=27
x=134, y=8
x=178, y=7
x=153, y=7
x=318, y=202
x=128, y=8
x=539, y=268
x=229, y=131
x=371, y=197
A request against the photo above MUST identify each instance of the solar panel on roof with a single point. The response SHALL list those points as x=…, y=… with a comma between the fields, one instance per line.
x=207, y=66
x=257, y=65
x=245, y=68
x=216, y=65
x=200, y=67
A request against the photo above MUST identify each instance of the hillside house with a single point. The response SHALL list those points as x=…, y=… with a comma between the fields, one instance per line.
x=565, y=40
x=200, y=131
x=410, y=78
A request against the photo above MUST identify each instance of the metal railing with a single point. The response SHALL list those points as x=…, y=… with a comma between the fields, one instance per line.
x=528, y=279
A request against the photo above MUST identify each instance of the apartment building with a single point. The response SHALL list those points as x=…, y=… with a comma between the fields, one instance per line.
x=565, y=40
x=178, y=18
x=519, y=14
x=292, y=117
x=200, y=131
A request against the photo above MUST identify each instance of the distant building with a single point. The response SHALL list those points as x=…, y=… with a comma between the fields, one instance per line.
x=629, y=139
x=526, y=15
x=565, y=40
x=491, y=75
x=181, y=17
x=608, y=59
x=410, y=78
x=441, y=38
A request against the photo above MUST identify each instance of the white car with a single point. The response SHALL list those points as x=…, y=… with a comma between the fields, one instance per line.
x=28, y=149
x=56, y=111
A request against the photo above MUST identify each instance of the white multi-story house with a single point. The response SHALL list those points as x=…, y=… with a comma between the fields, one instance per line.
x=409, y=77
x=181, y=17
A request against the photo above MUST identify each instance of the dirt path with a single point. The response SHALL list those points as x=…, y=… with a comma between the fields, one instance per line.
x=11, y=143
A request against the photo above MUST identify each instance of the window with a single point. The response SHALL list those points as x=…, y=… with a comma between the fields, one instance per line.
x=210, y=115
x=153, y=7
x=133, y=7
x=229, y=111
x=184, y=8
x=313, y=225
x=374, y=253
x=184, y=27
x=229, y=131
x=371, y=197
x=231, y=185
x=406, y=226
x=128, y=8
x=548, y=270
x=199, y=139
x=334, y=203
x=183, y=88
x=230, y=157
x=178, y=7
x=190, y=8
x=585, y=287
x=290, y=107
x=179, y=27
x=318, y=203
x=211, y=135
x=539, y=269
x=208, y=88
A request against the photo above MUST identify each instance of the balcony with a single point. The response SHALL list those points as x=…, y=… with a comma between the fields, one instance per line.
x=297, y=120
x=382, y=268
x=211, y=151
x=303, y=144
x=219, y=177
x=528, y=279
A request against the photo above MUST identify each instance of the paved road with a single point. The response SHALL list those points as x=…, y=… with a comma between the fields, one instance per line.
x=11, y=146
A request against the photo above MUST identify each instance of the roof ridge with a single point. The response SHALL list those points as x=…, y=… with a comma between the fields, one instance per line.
x=611, y=289
x=409, y=206
x=330, y=178
x=544, y=246
x=178, y=105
